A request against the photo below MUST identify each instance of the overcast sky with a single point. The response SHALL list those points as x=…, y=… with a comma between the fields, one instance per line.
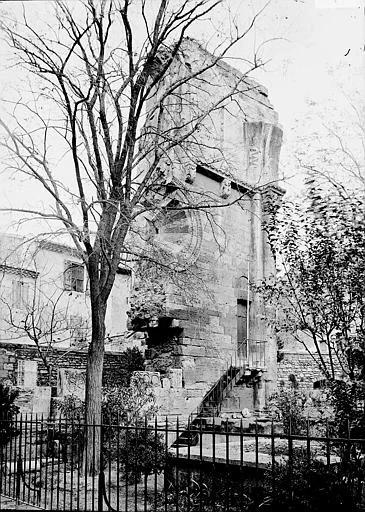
x=314, y=51
x=315, y=67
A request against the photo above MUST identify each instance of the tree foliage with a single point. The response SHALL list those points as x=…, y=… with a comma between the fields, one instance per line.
x=320, y=287
x=8, y=409
x=307, y=484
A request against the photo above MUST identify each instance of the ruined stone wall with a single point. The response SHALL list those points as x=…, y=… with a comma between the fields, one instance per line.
x=233, y=164
x=304, y=369
x=10, y=354
x=209, y=340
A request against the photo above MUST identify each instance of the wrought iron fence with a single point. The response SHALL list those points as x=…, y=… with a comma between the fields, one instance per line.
x=219, y=466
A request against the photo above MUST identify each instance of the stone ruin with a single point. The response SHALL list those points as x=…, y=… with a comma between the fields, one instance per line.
x=199, y=329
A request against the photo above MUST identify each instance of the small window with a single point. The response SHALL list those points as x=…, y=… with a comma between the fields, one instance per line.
x=74, y=277
x=20, y=294
x=321, y=384
x=241, y=320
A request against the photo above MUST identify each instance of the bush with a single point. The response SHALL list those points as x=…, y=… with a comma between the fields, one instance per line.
x=288, y=406
x=127, y=405
x=139, y=450
x=294, y=408
x=65, y=439
x=7, y=411
x=308, y=485
x=71, y=407
x=132, y=361
x=125, y=438
x=135, y=446
x=346, y=398
x=216, y=490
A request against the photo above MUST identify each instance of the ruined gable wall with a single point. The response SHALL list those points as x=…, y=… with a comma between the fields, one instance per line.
x=239, y=144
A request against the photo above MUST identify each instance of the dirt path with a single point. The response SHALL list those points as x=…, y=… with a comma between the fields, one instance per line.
x=10, y=504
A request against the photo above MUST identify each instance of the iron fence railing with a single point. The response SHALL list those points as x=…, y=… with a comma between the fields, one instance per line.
x=251, y=354
x=228, y=467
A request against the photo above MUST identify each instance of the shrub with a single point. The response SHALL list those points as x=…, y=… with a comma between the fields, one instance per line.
x=288, y=406
x=71, y=407
x=125, y=405
x=65, y=439
x=7, y=411
x=346, y=398
x=125, y=437
x=139, y=450
x=132, y=360
x=211, y=491
x=308, y=485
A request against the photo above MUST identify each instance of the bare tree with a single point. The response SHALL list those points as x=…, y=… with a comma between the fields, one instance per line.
x=122, y=103
x=34, y=305
x=46, y=324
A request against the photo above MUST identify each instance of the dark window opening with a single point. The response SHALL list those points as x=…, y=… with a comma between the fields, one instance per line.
x=74, y=277
x=241, y=320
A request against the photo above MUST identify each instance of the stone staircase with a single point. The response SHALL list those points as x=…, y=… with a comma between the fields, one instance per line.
x=227, y=397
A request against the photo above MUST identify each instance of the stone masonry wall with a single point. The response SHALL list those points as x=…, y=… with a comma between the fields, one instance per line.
x=209, y=339
x=236, y=167
x=302, y=366
x=11, y=353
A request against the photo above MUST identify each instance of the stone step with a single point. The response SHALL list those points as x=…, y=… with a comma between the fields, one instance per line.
x=187, y=438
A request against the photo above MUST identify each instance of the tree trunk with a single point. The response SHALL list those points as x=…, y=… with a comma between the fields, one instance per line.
x=94, y=375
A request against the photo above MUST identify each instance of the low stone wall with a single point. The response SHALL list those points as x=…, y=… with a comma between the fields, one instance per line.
x=172, y=398
x=10, y=354
x=305, y=370
x=7, y=364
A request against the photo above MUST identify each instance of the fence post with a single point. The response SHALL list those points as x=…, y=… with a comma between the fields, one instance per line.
x=101, y=490
x=290, y=459
x=18, y=478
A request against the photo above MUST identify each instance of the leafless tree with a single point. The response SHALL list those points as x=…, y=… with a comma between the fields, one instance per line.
x=46, y=321
x=122, y=103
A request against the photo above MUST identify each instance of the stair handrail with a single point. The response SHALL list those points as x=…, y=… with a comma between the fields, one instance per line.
x=248, y=347
x=216, y=393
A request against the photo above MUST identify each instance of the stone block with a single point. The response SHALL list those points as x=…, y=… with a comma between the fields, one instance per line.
x=152, y=378
x=212, y=352
x=194, y=393
x=187, y=362
x=190, y=376
x=175, y=377
x=166, y=384
x=191, y=350
x=71, y=381
x=41, y=401
x=27, y=373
